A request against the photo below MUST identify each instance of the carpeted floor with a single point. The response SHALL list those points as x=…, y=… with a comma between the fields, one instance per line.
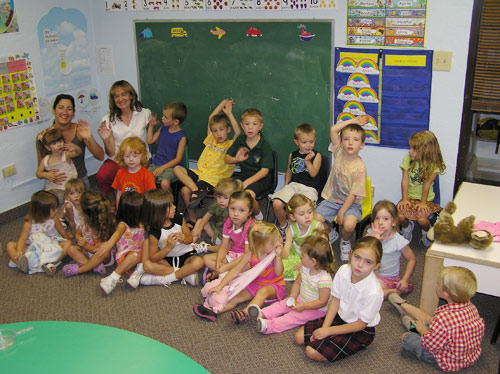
x=165, y=314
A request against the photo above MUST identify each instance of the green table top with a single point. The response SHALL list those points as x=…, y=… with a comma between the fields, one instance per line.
x=76, y=347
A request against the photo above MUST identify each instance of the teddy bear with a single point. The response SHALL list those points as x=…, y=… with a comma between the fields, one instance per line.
x=444, y=230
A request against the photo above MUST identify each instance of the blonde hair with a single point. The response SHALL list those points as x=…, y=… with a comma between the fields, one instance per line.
x=297, y=201
x=228, y=186
x=428, y=154
x=252, y=112
x=460, y=283
x=134, y=144
x=319, y=249
x=114, y=111
x=74, y=184
x=391, y=209
x=259, y=234
x=370, y=242
x=303, y=128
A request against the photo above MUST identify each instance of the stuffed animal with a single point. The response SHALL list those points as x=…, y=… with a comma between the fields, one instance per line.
x=444, y=230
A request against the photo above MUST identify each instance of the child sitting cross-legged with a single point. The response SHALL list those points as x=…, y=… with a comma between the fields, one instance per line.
x=451, y=339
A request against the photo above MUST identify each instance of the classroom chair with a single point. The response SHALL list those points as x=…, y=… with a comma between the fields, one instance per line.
x=496, y=331
x=274, y=182
x=175, y=184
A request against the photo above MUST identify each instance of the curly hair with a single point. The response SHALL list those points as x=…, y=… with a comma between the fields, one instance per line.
x=428, y=154
x=95, y=210
x=133, y=144
x=135, y=104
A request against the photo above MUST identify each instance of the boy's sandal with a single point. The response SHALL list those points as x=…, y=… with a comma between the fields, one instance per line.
x=190, y=224
x=211, y=276
x=396, y=301
x=71, y=269
x=239, y=316
x=100, y=269
x=205, y=313
x=22, y=264
x=196, y=198
x=49, y=269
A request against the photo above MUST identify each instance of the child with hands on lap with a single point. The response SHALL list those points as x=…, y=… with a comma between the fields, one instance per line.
x=354, y=310
x=263, y=238
x=310, y=291
x=385, y=228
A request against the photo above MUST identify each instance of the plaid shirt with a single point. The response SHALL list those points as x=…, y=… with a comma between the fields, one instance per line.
x=455, y=335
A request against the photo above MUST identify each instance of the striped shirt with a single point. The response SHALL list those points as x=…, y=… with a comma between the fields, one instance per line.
x=309, y=288
x=454, y=336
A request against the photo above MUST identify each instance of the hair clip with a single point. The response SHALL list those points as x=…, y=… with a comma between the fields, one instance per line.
x=289, y=208
x=255, y=228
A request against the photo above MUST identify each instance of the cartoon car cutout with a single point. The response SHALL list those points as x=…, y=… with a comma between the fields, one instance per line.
x=253, y=31
x=178, y=32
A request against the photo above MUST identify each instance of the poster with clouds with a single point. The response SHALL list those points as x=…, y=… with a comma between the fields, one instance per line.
x=64, y=48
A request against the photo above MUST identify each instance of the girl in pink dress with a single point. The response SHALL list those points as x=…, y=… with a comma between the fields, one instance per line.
x=263, y=238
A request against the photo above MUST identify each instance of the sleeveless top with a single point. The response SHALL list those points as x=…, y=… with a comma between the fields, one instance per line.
x=63, y=166
x=301, y=175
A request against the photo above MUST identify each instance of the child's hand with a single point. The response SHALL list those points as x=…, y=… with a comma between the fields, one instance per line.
x=153, y=121
x=310, y=156
x=340, y=216
x=227, y=106
x=319, y=334
x=362, y=120
x=299, y=307
x=422, y=208
x=80, y=241
x=103, y=131
x=403, y=203
x=421, y=327
x=279, y=247
x=376, y=232
x=180, y=237
x=242, y=154
x=158, y=171
x=172, y=239
x=215, y=289
x=55, y=176
x=402, y=286
x=297, y=267
x=102, y=250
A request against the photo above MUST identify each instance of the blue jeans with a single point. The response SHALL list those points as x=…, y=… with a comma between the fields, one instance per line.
x=413, y=344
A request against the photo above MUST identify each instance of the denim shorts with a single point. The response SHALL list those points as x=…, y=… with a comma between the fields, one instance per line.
x=413, y=344
x=329, y=210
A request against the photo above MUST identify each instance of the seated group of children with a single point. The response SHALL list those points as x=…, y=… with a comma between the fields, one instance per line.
x=249, y=260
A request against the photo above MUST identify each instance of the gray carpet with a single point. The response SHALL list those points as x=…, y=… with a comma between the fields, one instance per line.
x=165, y=314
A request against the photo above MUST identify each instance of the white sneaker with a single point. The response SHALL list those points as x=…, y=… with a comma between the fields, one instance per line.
x=109, y=283
x=12, y=264
x=333, y=235
x=345, y=249
x=254, y=312
x=407, y=231
x=259, y=217
x=154, y=280
x=261, y=325
x=192, y=279
x=425, y=240
x=135, y=279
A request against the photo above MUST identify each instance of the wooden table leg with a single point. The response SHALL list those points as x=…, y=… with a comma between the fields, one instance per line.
x=428, y=298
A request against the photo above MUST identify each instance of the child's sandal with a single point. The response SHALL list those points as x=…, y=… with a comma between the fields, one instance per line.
x=22, y=264
x=211, y=276
x=239, y=316
x=71, y=269
x=49, y=269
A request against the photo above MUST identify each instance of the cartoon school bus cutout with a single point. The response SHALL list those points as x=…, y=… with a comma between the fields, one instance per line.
x=178, y=32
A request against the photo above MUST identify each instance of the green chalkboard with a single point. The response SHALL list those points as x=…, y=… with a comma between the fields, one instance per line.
x=288, y=79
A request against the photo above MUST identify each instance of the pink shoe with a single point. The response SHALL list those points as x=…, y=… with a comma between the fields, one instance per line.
x=71, y=269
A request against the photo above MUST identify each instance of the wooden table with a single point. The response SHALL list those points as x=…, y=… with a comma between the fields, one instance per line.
x=75, y=347
x=483, y=202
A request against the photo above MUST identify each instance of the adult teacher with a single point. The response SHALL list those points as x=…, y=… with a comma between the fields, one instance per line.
x=74, y=135
x=127, y=117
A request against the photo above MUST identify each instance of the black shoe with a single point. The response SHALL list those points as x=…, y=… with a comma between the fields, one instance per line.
x=195, y=201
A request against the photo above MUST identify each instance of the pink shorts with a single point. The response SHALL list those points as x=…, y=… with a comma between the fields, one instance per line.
x=392, y=282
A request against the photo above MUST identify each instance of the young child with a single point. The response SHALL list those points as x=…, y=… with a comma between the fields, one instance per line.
x=211, y=167
x=41, y=218
x=345, y=188
x=451, y=339
x=309, y=294
x=133, y=175
x=385, y=228
x=420, y=168
x=71, y=210
x=234, y=235
x=263, y=238
x=302, y=174
x=213, y=221
x=301, y=213
x=170, y=257
x=96, y=227
x=353, y=313
x=56, y=157
x=172, y=141
x=254, y=156
x=129, y=238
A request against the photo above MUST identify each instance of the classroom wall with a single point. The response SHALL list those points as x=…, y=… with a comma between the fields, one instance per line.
x=116, y=29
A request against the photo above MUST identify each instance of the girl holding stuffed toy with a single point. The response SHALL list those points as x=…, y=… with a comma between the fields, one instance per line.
x=420, y=168
x=263, y=239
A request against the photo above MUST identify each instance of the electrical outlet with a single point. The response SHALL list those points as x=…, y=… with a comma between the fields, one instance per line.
x=441, y=60
x=9, y=170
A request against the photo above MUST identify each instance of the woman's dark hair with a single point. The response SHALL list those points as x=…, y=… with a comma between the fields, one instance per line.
x=63, y=97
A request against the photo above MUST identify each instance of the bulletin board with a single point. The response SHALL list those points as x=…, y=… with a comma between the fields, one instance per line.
x=281, y=67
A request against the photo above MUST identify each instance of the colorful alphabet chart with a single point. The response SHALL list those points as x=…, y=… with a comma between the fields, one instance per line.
x=18, y=99
x=392, y=87
x=395, y=23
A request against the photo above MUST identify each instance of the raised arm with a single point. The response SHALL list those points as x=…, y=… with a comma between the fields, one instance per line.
x=106, y=135
x=83, y=129
x=152, y=136
x=228, y=110
x=337, y=128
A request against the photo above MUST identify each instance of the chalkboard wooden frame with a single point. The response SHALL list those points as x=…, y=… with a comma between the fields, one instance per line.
x=288, y=79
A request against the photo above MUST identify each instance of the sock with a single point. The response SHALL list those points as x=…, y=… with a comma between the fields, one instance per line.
x=138, y=268
x=171, y=277
x=115, y=275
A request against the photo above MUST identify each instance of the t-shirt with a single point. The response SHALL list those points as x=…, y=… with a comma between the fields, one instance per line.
x=300, y=174
x=361, y=300
x=259, y=157
x=239, y=237
x=416, y=184
x=345, y=178
x=163, y=234
x=141, y=181
x=309, y=288
x=168, y=143
x=219, y=215
x=391, y=257
x=62, y=166
x=211, y=165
